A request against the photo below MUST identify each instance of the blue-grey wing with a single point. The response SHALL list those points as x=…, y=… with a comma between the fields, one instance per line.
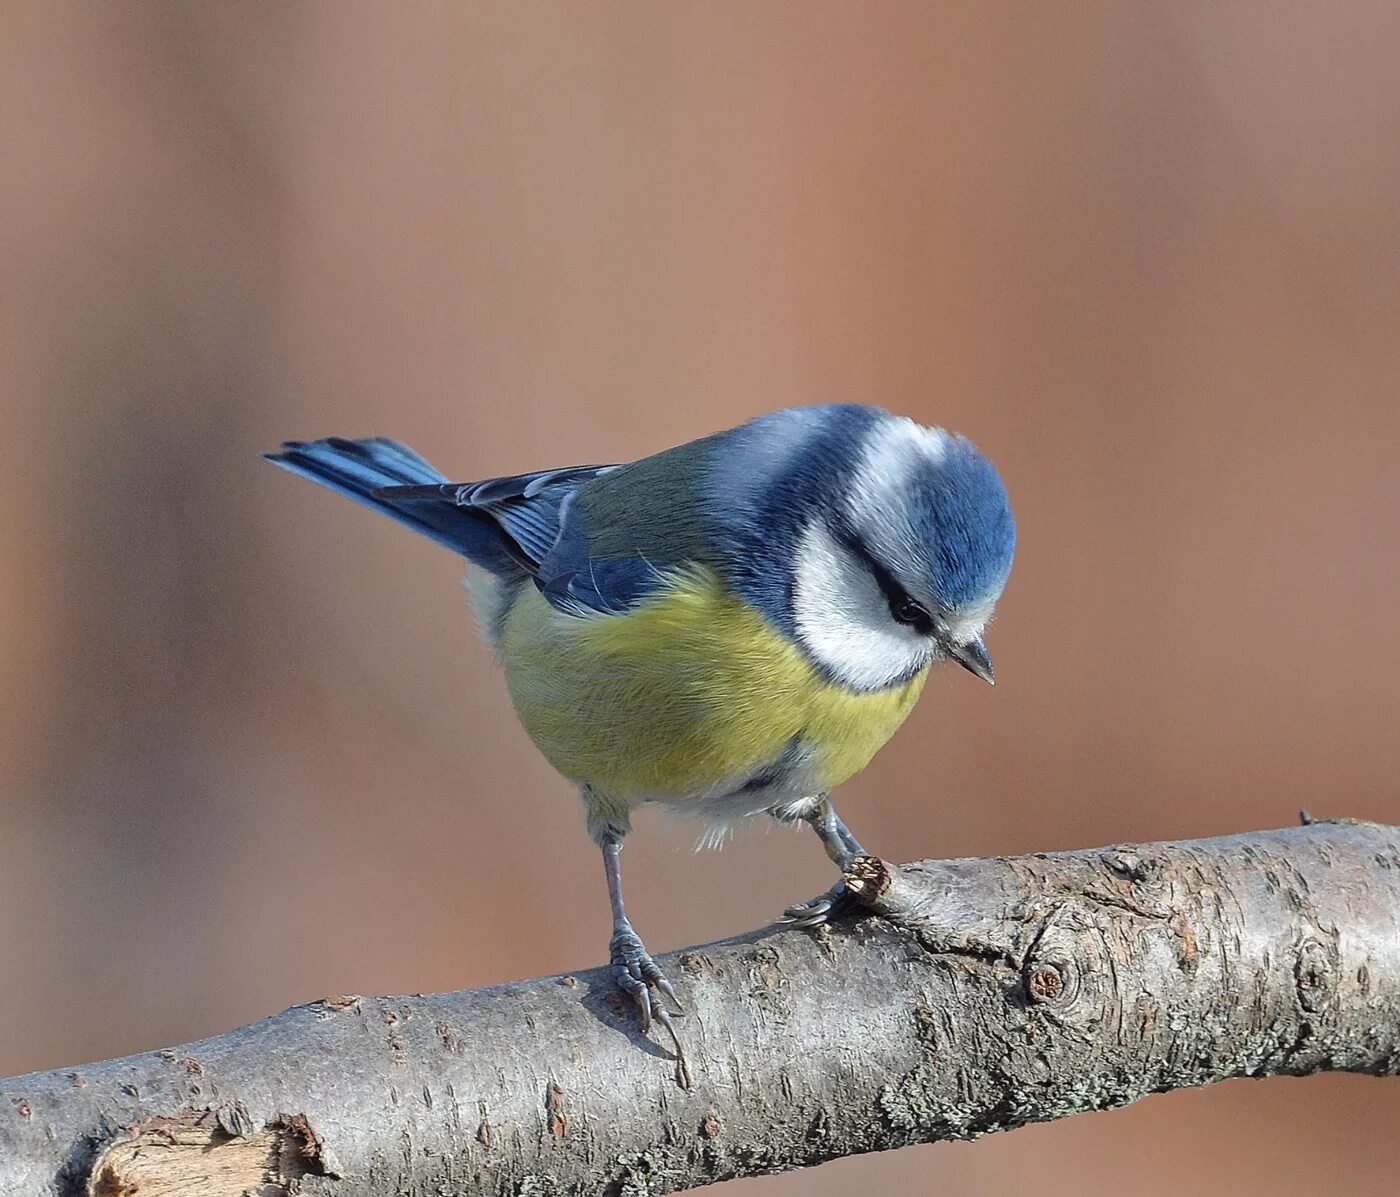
x=544, y=534
x=526, y=508
x=574, y=576
x=593, y=538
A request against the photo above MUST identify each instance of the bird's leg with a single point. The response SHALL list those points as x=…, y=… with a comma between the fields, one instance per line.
x=635, y=972
x=835, y=836
x=842, y=847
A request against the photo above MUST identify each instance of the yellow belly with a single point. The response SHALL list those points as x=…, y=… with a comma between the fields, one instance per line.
x=686, y=693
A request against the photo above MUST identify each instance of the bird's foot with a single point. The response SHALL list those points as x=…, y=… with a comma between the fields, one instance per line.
x=836, y=902
x=641, y=979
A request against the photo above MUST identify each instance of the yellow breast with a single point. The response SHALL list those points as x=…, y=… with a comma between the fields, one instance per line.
x=690, y=690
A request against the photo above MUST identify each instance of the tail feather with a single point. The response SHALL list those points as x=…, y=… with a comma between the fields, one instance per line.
x=359, y=468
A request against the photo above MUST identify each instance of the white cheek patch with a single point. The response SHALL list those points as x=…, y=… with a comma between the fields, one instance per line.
x=843, y=618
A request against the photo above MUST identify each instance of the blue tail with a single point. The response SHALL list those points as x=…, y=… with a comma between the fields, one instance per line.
x=358, y=468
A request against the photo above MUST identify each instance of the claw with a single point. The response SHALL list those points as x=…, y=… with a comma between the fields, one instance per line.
x=637, y=975
x=805, y=911
x=634, y=987
x=837, y=901
x=669, y=990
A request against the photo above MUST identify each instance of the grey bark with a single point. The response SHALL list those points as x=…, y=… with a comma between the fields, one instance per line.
x=984, y=995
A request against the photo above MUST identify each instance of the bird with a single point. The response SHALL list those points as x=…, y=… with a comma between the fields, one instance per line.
x=731, y=627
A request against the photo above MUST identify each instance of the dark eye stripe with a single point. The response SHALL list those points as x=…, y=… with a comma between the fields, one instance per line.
x=904, y=608
x=911, y=614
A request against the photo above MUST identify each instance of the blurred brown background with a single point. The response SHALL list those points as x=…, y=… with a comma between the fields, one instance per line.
x=251, y=752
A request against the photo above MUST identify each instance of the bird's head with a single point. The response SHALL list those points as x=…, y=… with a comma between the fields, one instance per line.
x=903, y=563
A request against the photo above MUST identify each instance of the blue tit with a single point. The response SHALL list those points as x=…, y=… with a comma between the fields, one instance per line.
x=731, y=627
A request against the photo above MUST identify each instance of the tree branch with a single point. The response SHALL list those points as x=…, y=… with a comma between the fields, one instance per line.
x=991, y=993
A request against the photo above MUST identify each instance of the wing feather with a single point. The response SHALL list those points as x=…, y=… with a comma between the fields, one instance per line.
x=532, y=510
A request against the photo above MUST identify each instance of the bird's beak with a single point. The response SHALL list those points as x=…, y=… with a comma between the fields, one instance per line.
x=973, y=657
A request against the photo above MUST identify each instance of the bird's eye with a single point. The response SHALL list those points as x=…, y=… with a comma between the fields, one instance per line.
x=906, y=611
